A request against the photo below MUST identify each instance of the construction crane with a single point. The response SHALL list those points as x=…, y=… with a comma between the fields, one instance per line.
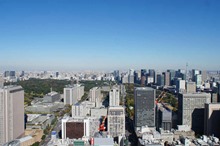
x=160, y=97
x=102, y=125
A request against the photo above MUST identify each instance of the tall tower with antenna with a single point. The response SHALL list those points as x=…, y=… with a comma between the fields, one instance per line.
x=186, y=78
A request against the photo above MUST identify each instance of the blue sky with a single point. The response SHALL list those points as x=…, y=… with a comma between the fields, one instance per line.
x=109, y=34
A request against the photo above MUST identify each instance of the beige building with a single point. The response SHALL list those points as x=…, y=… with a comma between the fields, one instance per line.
x=95, y=96
x=212, y=119
x=11, y=113
x=116, y=121
x=191, y=87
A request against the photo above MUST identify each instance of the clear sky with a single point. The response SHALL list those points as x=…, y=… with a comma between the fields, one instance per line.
x=109, y=34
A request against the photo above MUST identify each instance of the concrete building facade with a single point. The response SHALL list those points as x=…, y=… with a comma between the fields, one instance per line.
x=11, y=113
x=95, y=96
x=73, y=93
x=191, y=87
x=114, y=97
x=116, y=121
x=181, y=86
x=212, y=119
x=78, y=127
x=191, y=110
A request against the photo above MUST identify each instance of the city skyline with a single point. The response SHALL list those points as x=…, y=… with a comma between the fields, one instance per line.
x=108, y=35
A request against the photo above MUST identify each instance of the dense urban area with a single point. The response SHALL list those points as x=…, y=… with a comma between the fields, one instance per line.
x=119, y=108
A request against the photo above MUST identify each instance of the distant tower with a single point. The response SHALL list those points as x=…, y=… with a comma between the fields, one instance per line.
x=186, y=71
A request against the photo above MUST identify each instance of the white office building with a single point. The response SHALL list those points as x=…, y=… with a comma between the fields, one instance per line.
x=73, y=93
x=95, y=96
x=114, y=97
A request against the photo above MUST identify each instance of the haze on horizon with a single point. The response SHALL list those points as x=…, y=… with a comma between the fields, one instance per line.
x=107, y=35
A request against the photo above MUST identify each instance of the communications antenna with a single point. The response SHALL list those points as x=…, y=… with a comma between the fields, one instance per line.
x=186, y=71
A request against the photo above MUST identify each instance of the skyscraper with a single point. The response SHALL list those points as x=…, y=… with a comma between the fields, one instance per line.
x=172, y=75
x=152, y=74
x=198, y=80
x=160, y=79
x=114, y=97
x=143, y=76
x=137, y=76
x=167, y=78
x=144, y=107
x=116, y=121
x=181, y=86
x=191, y=110
x=11, y=113
x=116, y=75
x=194, y=73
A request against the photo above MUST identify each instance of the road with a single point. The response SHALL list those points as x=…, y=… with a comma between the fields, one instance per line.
x=56, y=128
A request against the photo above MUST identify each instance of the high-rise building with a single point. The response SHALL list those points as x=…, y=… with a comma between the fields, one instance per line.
x=172, y=75
x=9, y=74
x=198, y=80
x=131, y=79
x=1, y=82
x=22, y=74
x=160, y=79
x=143, y=76
x=191, y=110
x=144, y=107
x=212, y=119
x=124, y=79
x=131, y=72
x=191, y=87
x=204, y=75
x=114, y=97
x=57, y=74
x=152, y=74
x=181, y=74
x=95, y=96
x=73, y=93
x=11, y=113
x=137, y=76
x=167, y=78
x=116, y=121
x=181, y=86
x=117, y=75
x=150, y=80
x=194, y=73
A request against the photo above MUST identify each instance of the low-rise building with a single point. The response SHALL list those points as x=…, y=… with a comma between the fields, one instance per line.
x=37, y=121
x=52, y=97
x=79, y=127
x=44, y=108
